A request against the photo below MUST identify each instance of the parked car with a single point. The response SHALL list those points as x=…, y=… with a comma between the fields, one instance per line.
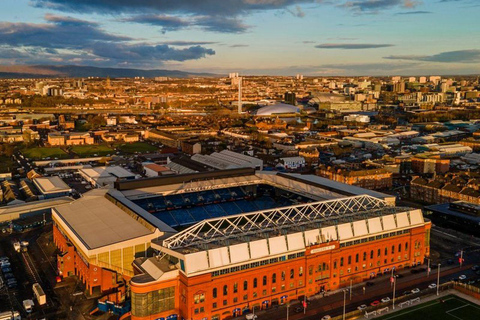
x=251, y=316
x=462, y=277
x=406, y=293
x=386, y=299
x=416, y=290
x=6, y=269
x=326, y=317
x=375, y=303
x=432, y=286
x=362, y=307
x=8, y=276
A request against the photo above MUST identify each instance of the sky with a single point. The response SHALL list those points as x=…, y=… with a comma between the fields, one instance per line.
x=252, y=37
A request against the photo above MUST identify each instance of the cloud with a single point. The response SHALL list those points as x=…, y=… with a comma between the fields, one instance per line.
x=69, y=40
x=144, y=52
x=60, y=32
x=195, y=7
x=413, y=12
x=373, y=6
x=352, y=46
x=239, y=46
x=174, y=23
x=459, y=56
x=297, y=12
x=181, y=43
x=168, y=23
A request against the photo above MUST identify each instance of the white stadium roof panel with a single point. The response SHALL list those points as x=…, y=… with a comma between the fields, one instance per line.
x=277, y=245
x=402, y=220
x=258, y=249
x=416, y=217
x=196, y=261
x=329, y=233
x=360, y=228
x=374, y=225
x=312, y=236
x=388, y=223
x=295, y=241
x=239, y=253
x=218, y=257
x=345, y=231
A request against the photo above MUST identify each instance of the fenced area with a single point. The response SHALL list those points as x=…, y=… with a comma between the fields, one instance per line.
x=449, y=307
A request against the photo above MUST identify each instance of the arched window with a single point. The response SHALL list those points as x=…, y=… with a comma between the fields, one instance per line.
x=255, y=282
x=235, y=287
x=300, y=271
x=364, y=256
x=341, y=262
x=371, y=254
x=379, y=253
x=283, y=275
x=292, y=273
x=386, y=251
x=274, y=278
x=399, y=247
x=245, y=285
x=356, y=257
x=393, y=249
x=264, y=282
x=214, y=293
x=225, y=290
x=349, y=259
x=406, y=246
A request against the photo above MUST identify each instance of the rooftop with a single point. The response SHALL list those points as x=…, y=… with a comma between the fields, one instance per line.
x=97, y=222
x=53, y=184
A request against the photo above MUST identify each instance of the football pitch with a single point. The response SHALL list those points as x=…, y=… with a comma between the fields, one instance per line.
x=452, y=308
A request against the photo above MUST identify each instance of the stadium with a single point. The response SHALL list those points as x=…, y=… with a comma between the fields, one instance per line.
x=214, y=245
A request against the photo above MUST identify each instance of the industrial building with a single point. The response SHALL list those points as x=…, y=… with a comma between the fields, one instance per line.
x=213, y=245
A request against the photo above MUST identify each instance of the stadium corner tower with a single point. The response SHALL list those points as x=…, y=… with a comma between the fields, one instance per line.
x=218, y=244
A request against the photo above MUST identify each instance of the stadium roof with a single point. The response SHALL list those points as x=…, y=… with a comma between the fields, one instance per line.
x=98, y=222
x=272, y=220
x=277, y=109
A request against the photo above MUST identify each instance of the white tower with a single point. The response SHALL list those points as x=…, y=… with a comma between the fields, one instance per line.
x=240, y=95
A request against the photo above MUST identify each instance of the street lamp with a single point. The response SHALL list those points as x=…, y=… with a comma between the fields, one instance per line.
x=288, y=306
x=344, y=302
x=438, y=278
x=394, y=285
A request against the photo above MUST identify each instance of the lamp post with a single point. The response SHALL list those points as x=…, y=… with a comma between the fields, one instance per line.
x=428, y=268
x=438, y=278
x=288, y=306
x=394, y=285
x=351, y=281
x=344, y=302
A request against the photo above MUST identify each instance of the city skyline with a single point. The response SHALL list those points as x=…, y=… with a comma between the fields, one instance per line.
x=274, y=37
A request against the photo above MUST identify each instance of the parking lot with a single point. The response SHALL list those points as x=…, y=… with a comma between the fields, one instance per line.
x=36, y=264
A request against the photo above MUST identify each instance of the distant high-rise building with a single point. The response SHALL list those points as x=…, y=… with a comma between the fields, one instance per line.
x=299, y=76
x=435, y=79
x=290, y=98
x=412, y=79
x=396, y=79
x=232, y=75
x=422, y=79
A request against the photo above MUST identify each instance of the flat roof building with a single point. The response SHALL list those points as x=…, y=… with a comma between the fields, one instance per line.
x=52, y=187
